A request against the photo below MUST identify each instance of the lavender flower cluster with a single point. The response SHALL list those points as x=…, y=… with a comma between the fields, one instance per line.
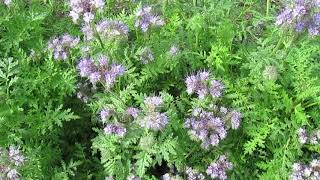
x=306, y=171
x=62, y=45
x=11, y=158
x=169, y=176
x=85, y=9
x=108, y=29
x=218, y=169
x=146, y=18
x=312, y=138
x=201, y=84
x=210, y=127
x=116, y=129
x=301, y=15
x=103, y=72
x=153, y=119
x=193, y=174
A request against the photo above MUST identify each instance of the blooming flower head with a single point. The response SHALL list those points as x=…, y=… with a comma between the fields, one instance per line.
x=15, y=156
x=153, y=101
x=146, y=18
x=134, y=112
x=200, y=84
x=7, y=2
x=306, y=171
x=301, y=15
x=105, y=113
x=61, y=46
x=85, y=9
x=108, y=29
x=116, y=129
x=218, y=169
x=13, y=174
x=154, y=121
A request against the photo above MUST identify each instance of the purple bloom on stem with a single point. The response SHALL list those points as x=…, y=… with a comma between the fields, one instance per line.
x=219, y=168
x=134, y=112
x=216, y=88
x=235, y=119
x=86, y=67
x=105, y=113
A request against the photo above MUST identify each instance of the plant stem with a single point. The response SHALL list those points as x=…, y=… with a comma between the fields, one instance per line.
x=268, y=7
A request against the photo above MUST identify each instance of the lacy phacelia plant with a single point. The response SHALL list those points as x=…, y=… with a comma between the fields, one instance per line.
x=61, y=46
x=153, y=119
x=169, y=176
x=218, y=169
x=10, y=161
x=313, y=138
x=85, y=9
x=146, y=18
x=211, y=126
x=301, y=15
x=201, y=84
x=103, y=72
x=306, y=171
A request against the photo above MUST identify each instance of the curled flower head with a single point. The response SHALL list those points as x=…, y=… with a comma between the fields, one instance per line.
x=174, y=50
x=235, y=119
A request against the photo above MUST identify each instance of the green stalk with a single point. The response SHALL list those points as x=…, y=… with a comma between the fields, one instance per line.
x=268, y=7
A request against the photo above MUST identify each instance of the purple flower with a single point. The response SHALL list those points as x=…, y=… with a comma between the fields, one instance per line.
x=235, y=119
x=134, y=112
x=61, y=46
x=284, y=17
x=85, y=8
x=302, y=134
x=193, y=174
x=15, y=156
x=95, y=77
x=216, y=88
x=153, y=101
x=146, y=18
x=316, y=19
x=13, y=174
x=192, y=84
x=88, y=32
x=112, y=28
x=313, y=30
x=174, y=50
x=306, y=171
x=154, y=121
x=105, y=113
x=116, y=129
x=86, y=67
x=219, y=168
